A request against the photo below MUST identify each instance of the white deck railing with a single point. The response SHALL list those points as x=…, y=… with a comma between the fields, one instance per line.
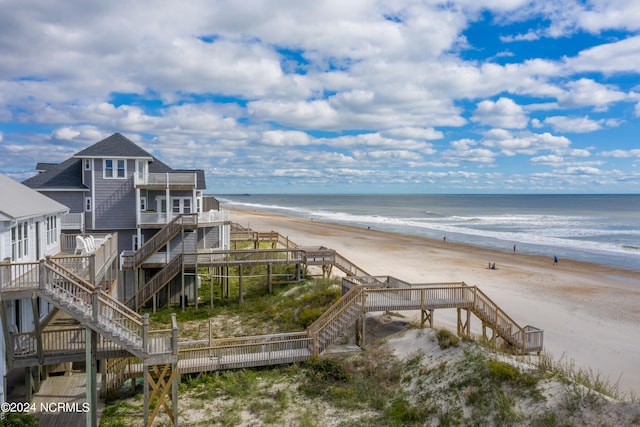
x=72, y=221
x=167, y=179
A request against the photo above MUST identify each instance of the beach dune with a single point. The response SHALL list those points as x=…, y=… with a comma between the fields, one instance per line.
x=590, y=313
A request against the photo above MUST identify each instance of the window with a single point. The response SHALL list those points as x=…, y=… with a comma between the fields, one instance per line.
x=87, y=164
x=19, y=241
x=52, y=230
x=143, y=204
x=115, y=168
x=87, y=204
x=181, y=205
x=121, y=169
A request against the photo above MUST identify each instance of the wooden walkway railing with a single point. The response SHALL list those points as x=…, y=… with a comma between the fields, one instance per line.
x=363, y=294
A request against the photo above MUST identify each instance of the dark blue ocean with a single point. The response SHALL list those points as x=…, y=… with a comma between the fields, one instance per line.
x=596, y=228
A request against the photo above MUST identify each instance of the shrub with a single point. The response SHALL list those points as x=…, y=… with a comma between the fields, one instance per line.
x=446, y=339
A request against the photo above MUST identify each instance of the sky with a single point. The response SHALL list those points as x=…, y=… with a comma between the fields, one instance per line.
x=333, y=96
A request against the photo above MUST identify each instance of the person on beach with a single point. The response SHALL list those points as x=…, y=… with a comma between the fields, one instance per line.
x=555, y=260
x=514, y=249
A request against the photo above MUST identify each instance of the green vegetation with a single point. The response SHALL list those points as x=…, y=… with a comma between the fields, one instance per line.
x=447, y=339
x=292, y=307
x=465, y=385
x=18, y=419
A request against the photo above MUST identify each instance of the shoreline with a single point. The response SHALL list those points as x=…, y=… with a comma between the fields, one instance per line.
x=589, y=312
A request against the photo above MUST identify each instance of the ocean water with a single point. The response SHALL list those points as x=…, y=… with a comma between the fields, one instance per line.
x=597, y=228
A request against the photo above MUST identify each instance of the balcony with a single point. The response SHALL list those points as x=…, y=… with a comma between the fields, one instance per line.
x=205, y=219
x=161, y=181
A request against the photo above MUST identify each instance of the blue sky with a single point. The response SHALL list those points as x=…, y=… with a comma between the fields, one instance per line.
x=470, y=96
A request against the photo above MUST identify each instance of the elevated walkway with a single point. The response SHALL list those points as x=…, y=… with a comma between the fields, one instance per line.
x=362, y=295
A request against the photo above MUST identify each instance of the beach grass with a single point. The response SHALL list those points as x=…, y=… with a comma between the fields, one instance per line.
x=468, y=385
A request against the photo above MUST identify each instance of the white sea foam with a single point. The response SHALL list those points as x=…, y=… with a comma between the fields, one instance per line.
x=580, y=236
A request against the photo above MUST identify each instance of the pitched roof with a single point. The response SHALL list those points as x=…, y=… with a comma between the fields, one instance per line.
x=19, y=202
x=68, y=174
x=115, y=145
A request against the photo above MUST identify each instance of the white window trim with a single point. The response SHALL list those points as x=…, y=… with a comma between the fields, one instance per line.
x=143, y=204
x=87, y=164
x=114, y=169
x=87, y=204
x=20, y=241
x=52, y=230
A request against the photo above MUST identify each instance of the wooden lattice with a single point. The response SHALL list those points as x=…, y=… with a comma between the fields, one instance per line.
x=160, y=379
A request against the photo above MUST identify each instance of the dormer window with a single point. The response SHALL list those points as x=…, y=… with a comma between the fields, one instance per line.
x=115, y=168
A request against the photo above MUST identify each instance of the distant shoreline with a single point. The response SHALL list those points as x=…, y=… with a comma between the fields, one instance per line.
x=492, y=253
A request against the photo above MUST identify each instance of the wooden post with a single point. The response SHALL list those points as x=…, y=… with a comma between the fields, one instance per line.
x=136, y=281
x=91, y=344
x=364, y=319
x=95, y=303
x=269, y=279
x=240, y=297
x=36, y=327
x=175, y=373
x=28, y=385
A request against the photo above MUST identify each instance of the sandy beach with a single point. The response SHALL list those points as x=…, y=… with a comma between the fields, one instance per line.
x=590, y=313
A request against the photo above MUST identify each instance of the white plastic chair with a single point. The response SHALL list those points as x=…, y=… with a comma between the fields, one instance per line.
x=81, y=246
x=91, y=244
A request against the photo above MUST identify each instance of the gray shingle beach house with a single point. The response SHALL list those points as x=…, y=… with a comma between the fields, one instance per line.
x=158, y=213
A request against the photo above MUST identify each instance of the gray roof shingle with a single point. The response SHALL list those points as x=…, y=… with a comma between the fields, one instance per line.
x=115, y=145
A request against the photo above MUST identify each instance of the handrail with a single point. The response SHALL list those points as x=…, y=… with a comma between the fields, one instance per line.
x=166, y=233
x=326, y=317
x=156, y=283
x=348, y=267
x=494, y=308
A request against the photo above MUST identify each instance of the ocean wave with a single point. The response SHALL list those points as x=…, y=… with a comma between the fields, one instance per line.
x=582, y=236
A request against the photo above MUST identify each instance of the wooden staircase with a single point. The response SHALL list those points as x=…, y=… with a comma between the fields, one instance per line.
x=156, y=283
x=183, y=222
x=337, y=319
x=93, y=308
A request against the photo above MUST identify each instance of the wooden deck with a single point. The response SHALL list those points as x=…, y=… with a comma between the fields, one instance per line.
x=71, y=392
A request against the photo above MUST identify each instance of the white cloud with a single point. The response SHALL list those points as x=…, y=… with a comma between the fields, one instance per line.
x=503, y=113
x=285, y=138
x=342, y=85
x=614, y=57
x=586, y=92
x=572, y=124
